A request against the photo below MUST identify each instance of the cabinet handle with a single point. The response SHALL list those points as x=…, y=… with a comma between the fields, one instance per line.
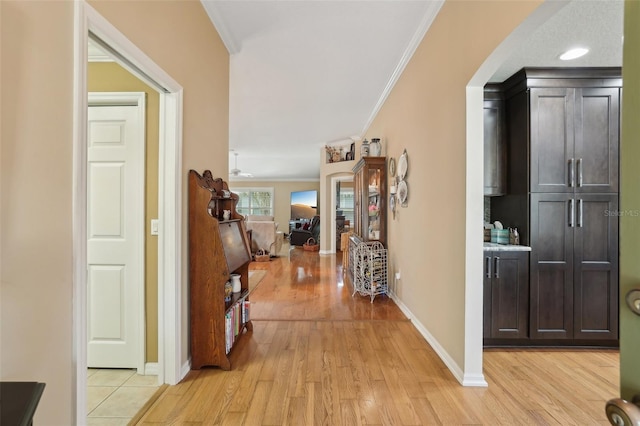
x=487, y=266
x=580, y=213
x=572, y=212
x=572, y=175
x=497, y=267
x=579, y=165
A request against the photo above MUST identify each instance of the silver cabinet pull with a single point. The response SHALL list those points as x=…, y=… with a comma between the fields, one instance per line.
x=572, y=212
x=579, y=166
x=580, y=212
x=487, y=266
x=497, y=267
x=572, y=175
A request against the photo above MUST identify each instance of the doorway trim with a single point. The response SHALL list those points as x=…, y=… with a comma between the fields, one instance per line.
x=472, y=374
x=335, y=178
x=87, y=19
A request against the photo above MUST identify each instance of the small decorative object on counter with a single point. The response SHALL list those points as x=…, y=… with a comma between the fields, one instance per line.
x=514, y=237
x=375, y=147
x=226, y=214
x=228, y=289
x=235, y=281
x=364, y=149
x=500, y=236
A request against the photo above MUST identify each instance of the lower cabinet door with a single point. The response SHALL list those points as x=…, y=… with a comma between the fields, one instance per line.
x=506, y=294
x=595, y=278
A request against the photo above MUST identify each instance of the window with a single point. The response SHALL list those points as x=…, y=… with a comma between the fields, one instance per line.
x=346, y=203
x=257, y=201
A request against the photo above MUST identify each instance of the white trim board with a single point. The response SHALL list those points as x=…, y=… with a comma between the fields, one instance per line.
x=170, y=339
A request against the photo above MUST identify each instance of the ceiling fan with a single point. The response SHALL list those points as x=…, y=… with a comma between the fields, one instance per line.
x=236, y=172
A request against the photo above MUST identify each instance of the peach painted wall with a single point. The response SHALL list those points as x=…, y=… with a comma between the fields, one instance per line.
x=426, y=115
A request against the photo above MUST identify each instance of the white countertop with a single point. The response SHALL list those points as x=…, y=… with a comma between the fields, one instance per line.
x=504, y=247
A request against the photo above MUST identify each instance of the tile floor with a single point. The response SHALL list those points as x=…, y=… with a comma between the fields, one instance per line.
x=115, y=396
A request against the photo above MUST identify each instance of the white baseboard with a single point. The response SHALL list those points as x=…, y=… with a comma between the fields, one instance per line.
x=455, y=369
x=151, y=369
x=186, y=367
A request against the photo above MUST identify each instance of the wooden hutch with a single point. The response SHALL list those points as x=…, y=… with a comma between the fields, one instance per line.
x=217, y=248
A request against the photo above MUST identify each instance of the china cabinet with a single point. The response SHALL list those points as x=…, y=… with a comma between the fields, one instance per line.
x=370, y=193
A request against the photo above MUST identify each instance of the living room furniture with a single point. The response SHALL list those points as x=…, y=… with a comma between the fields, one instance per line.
x=217, y=248
x=370, y=195
x=340, y=222
x=563, y=127
x=265, y=234
x=300, y=236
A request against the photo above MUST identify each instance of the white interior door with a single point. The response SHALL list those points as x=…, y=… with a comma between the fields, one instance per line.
x=115, y=234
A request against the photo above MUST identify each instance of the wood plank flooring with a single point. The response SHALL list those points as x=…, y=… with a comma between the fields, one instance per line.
x=318, y=356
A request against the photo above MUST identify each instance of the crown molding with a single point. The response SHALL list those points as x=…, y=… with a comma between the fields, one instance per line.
x=433, y=7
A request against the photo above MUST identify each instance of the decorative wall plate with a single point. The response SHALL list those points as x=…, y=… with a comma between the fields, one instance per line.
x=403, y=165
x=403, y=192
x=392, y=167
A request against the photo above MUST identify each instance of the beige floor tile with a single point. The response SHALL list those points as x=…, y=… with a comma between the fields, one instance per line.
x=97, y=394
x=92, y=371
x=107, y=421
x=107, y=377
x=124, y=402
x=140, y=380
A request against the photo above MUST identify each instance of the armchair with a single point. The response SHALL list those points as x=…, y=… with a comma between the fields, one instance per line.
x=264, y=234
x=300, y=236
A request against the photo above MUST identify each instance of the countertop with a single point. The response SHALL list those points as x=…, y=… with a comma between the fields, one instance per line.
x=504, y=247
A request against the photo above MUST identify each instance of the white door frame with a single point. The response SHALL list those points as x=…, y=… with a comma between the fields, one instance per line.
x=137, y=99
x=338, y=177
x=170, y=198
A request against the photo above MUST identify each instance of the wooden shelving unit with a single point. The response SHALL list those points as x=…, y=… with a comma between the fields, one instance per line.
x=217, y=248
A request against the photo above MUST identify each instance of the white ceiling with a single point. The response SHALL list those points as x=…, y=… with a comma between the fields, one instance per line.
x=308, y=73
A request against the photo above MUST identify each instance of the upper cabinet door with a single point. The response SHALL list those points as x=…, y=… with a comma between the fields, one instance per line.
x=596, y=139
x=495, y=150
x=552, y=140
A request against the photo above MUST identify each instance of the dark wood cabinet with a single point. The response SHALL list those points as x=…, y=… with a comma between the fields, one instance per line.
x=506, y=295
x=495, y=150
x=563, y=161
x=370, y=199
x=574, y=267
x=217, y=249
x=574, y=139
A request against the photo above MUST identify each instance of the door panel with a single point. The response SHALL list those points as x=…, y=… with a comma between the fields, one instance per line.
x=596, y=267
x=596, y=139
x=551, y=286
x=551, y=139
x=509, y=294
x=115, y=221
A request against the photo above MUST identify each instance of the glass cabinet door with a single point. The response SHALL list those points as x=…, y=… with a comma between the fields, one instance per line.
x=370, y=195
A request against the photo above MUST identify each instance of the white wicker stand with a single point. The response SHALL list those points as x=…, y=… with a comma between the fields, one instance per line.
x=370, y=272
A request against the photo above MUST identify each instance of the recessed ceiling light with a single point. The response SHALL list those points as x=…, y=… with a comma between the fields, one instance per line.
x=574, y=53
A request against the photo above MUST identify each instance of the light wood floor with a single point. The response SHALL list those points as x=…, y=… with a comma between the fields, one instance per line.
x=318, y=356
